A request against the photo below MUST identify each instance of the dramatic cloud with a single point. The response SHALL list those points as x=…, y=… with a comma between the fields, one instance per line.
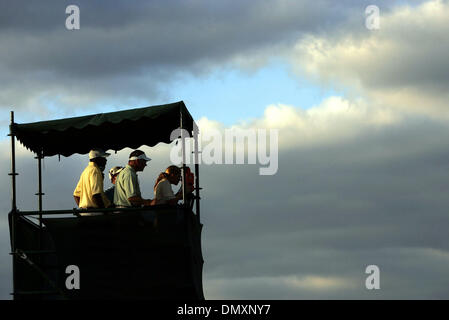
x=374, y=194
x=130, y=52
x=402, y=65
x=377, y=197
x=362, y=177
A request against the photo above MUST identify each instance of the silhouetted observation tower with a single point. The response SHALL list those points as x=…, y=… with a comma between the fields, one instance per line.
x=130, y=253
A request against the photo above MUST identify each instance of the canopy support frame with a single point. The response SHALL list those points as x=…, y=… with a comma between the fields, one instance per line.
x=39, y=158
x=197, y=170
x=13, y=175
x=183, y=151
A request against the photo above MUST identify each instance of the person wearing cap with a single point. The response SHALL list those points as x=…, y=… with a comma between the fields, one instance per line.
x=89, y=190
x=127, y=191
x=113, y=173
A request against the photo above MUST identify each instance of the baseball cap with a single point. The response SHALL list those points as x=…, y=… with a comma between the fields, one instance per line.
x=138, y=154
x=98, y=153
x=113, y=171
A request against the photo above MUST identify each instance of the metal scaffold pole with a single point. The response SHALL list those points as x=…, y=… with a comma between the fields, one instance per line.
x=13, y=201
x=39, y=194
x=183, y=147
x=13, y=163
x=197, y=171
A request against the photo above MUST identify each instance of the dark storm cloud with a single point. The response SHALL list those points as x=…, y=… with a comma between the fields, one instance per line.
x=128, y=49
x=331, y=211
x=124, y=38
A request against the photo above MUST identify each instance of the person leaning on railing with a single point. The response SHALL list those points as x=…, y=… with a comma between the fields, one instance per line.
x=127, y=190
x=163, y=193
x=89, y=190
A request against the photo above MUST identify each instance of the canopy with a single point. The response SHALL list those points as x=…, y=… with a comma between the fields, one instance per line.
x=109, y=131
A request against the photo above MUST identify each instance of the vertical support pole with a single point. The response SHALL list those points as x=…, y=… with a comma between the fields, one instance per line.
x=39, y=194
x=183, y=150
x=13, y=164
x=13, y=204
x=197, y=171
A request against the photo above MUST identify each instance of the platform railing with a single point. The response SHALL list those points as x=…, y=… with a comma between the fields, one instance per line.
x=77, y=211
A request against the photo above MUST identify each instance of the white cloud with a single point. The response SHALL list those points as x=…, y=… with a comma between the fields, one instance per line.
x=314, y=283
x=402, y=65
x=334, y=120
x=290, y=286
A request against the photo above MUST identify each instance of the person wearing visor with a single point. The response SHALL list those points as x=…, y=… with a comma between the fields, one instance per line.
x=89, y=190
x=113, y=173
x=127, y=191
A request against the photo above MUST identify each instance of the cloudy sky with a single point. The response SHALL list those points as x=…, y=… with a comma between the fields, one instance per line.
x=362, y=114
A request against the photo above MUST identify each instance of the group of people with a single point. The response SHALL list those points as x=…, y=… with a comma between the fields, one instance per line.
x=125, y=192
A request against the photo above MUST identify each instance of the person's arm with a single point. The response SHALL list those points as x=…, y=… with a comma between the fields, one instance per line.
x=139, y=201
x=98, y=200
x=77, y=193
x=131, y=186
x=175, y=199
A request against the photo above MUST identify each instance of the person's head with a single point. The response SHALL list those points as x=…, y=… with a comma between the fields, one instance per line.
x=98, y=156
x=113, y=173
x=173, y=174
x=138, y=160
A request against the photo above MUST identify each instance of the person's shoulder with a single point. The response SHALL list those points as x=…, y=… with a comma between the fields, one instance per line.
x=164, y=183
x=161, y=184
x=90, y=169
x=126, y=173
x=95, y=170
x=126, y=170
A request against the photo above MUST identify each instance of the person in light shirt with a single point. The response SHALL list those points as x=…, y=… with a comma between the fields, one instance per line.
x=89, y=192
x=127, y=190
x=163, y=193
x=113, y=173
